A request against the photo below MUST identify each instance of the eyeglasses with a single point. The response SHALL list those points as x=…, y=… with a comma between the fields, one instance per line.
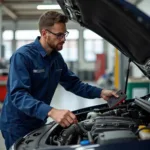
x=59, y=35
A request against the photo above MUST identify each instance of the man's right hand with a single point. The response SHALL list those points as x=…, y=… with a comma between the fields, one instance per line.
x=64, y=117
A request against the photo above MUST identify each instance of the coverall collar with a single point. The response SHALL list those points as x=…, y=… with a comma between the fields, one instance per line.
x=39, y=46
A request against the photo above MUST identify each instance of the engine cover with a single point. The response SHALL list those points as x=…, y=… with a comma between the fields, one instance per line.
x=109, y=137
x=112, y=123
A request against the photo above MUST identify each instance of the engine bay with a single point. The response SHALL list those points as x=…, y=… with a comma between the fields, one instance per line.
x=117, y=125
x=100, y=125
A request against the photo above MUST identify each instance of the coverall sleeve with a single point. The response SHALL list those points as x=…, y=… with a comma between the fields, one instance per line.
x=73, y=84
x=20, y=89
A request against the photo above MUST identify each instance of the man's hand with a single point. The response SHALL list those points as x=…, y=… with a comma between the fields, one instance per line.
x=64, y=117
x=106, y=94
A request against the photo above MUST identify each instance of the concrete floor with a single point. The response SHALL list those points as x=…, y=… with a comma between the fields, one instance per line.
x=66, y=100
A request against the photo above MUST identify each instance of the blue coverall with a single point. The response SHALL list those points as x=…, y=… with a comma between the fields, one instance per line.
x=32, y=80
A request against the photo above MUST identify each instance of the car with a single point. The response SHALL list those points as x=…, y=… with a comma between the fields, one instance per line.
x=101, y=127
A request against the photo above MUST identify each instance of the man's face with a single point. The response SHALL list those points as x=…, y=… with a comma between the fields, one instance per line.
x=55, y=36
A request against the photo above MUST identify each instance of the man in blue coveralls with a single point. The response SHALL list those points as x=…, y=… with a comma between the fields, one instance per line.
x=35, y=71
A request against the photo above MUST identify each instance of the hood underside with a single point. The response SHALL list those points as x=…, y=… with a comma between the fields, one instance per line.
x=117, y=21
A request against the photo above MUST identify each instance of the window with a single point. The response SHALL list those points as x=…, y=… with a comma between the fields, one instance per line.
x=7, y=43
x=70, y=49
x=93, y=44
x=20, y=43
x=25, y=37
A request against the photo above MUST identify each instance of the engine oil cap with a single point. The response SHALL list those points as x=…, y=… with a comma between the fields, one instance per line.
x=85, y=142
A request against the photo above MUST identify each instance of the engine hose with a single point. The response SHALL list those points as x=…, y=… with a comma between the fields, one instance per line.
x=95, y=139
x=55, y=141
x=79, y=139
x=90, y=137
x=81, y=128
x=69, y=139
x=50, y=140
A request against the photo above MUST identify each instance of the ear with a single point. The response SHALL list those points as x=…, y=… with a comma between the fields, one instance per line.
x=43, y=32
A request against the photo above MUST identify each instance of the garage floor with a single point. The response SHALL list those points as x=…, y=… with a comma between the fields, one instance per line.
x=66, y=100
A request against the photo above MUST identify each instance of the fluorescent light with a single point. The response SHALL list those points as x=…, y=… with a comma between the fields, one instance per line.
x=42, y=7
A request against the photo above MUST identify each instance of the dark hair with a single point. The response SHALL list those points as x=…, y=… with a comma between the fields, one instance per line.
x=49, y=18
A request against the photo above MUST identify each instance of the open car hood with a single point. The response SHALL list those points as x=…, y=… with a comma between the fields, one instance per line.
x=117, y=21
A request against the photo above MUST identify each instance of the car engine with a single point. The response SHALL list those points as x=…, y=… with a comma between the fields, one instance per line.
x=97, y=125
x=99, y=130
x=115, y=125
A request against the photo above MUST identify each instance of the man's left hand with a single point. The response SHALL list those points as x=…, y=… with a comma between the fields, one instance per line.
x=106, y=94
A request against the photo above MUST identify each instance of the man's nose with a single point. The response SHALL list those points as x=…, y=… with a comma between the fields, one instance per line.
x=63, y=39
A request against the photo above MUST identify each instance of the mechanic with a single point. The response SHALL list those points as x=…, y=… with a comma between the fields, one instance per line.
x=35, y=71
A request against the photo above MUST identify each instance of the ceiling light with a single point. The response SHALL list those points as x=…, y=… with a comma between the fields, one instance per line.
x=44, y=7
